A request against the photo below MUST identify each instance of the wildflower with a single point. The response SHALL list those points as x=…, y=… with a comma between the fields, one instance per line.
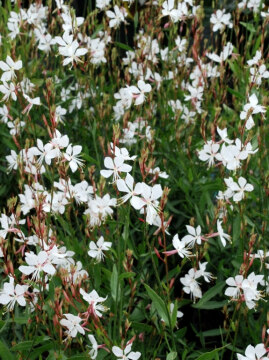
x=72, y=323
x=159, y=173
x=209, y=152
x=102, y=4
x=201, y=272
x=252, y=107
x=36, y=264
x=45, y=152
x=127, y=186
x=249, y=287
x=70, y=48
x=126, y=354
x=117, y=16
x=191, y=286
x=9, y=224
x=94, y=347
x=10, y=294
x=256, y=59
x=96, y=250
x=222, y=235
x=71, y=155
x=235, y=285
x=220, y=20
x=252, y=353
x=227, y=51
x=123, y=152
x=139, y=91
x=224, y=136
x=149, y=196
x=181, y=247
x=93, y=299
x=35, y=101
x=8, y=90
x=194, y=235
x=99, y=209
x=239, y=189
x=115, y=166
x=9, y=68
x=4, y=114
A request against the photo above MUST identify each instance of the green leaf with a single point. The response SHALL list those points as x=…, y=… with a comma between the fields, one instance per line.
x=114, y=283
x=214, y=332
x=136, y=20
x=211, y=355
x=38, y=351
x=236, y=94
x=79, y=357
x=123, y=46
x=174, y=315
x=5, y=354
x=213, y=305
x=126, y=275
x=158, y=304
x=24, y=345
x=250, y=27
x=171, y=356
x=236, y=228
x=202, y=304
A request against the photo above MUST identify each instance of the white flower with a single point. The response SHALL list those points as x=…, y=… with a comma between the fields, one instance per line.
x=157, y=171
x=127, y=186
x=209, y=152
x=252, y=107
x=139, y=92
x=222, y=235
x=239, y=188
x=125, y=98
x=227, y=51
x=220, y=20
x=45, y=152
x=96, y=250
x=9, y=68
x=224, y=136
x=35, y=101
x=72, y=323
x=235, y=285
x=115, y=166
x=249, y=287
x=117, y=16
x=93, y=299
x=99, y=209
x=256, y=58
x=10, y=294
x=69, y=48
x=191, y=286
x=9, y=224
x=252, y=353
x=181, y=44
x=7, y=90
x=257, y=74
x=194, y=235
x=94, y=347
x=4, y=114
x=182, y=247
x=122, y=152
x=149, y=196
x=71, y=155
x=102, y=4
x=126, y=354
x=36, y=264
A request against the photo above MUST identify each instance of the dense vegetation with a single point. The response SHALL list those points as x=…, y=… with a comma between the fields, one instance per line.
x=134, y=180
